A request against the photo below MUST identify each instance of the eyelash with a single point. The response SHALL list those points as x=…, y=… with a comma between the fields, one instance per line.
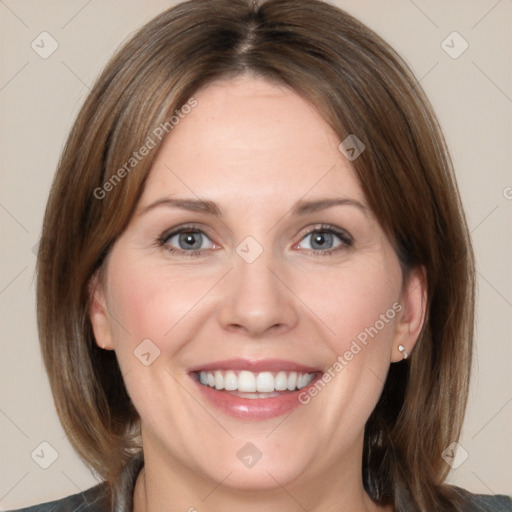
x=345, y=238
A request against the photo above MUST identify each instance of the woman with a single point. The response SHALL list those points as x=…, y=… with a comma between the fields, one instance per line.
x=255, y=282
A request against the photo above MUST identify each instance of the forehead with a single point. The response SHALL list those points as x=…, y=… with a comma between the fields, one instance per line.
x=253, y=140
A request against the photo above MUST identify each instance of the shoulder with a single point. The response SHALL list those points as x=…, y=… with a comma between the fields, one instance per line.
x=484, y=502
x=97, y=498
x=91, y=500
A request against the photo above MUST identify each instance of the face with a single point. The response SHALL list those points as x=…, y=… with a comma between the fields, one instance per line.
x=254, y=264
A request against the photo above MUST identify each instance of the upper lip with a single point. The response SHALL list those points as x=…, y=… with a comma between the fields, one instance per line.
x=270, y=365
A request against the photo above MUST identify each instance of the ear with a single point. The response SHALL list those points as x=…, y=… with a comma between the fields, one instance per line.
x=411, y=316
x=98, y=313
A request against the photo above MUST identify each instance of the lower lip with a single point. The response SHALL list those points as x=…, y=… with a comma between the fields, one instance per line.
x=253, y=408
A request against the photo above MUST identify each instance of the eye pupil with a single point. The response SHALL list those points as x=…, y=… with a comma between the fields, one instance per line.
x=321, y=240
x=190, y=240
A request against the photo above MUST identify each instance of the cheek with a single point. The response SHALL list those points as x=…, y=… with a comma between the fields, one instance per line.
x=158, y=303
x=149, y=309
x=354, y=302
x=149, y=303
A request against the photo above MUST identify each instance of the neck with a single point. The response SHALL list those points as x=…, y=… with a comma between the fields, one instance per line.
x=169, y=485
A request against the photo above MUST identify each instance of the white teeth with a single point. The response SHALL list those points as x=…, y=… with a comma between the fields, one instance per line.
x=230, y=381
x=292, y=381
x=219, y=380
x=281, y=381
x=265, y=382
x=248, y=382
x=302, y=380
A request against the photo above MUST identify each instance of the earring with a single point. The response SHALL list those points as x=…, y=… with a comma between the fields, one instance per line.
x=401, y=348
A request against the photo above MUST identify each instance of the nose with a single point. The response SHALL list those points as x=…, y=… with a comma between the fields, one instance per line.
x=256, y=299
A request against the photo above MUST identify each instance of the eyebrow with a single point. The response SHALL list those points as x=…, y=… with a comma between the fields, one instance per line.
x=302, y=207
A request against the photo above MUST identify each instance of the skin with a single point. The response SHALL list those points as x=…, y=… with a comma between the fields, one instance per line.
x=254, y=148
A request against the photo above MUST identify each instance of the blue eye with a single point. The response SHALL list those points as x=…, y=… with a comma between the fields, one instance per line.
x=191, y=241
x=325, y=239
x=186, y=240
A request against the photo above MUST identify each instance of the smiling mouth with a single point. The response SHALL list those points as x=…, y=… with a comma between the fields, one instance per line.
x=254, y=385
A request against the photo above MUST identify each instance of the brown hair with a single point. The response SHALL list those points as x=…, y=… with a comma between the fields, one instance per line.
x=360, y=86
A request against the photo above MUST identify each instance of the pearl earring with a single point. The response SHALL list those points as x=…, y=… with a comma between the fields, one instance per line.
x=401, y=348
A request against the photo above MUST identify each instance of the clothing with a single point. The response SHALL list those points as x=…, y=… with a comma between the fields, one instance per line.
x=93, y=499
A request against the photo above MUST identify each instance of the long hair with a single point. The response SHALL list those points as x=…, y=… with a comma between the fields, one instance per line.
x=360, y=86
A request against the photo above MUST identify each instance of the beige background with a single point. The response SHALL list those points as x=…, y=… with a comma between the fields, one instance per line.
x=39, y=99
